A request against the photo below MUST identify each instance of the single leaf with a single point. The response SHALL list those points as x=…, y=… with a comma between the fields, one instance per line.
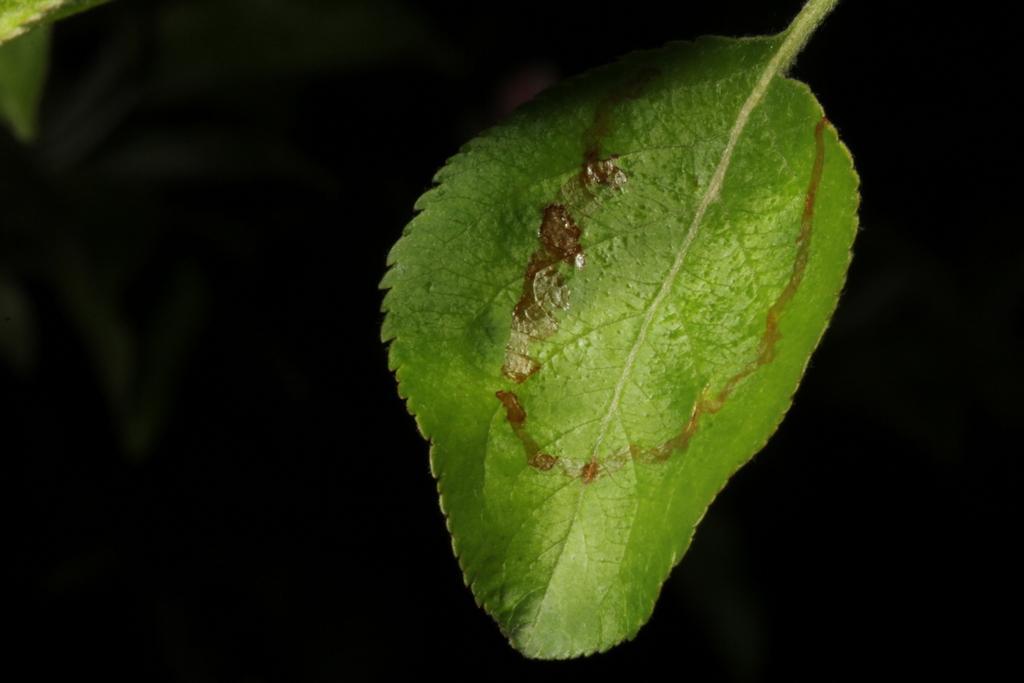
x=17, y=16
x=23, y=65
x=602, y=311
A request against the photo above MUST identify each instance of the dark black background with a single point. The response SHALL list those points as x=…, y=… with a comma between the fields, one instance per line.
x=229, y=177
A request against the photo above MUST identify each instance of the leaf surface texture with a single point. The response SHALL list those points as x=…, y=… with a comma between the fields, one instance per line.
x=602, y=311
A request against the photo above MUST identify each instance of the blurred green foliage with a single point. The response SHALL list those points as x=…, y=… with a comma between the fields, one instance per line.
x=88, y=209
x=23, y=65
x=18, y=15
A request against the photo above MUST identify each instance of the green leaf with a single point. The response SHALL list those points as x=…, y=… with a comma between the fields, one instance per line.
x=23, y=65
x=16, y=16
x=602, y=311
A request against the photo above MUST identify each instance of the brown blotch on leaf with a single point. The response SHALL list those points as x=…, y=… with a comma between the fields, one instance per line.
x=544, y=290
x=514, y=412
x=590, y=471
x=542, y=461
x=598, y=172
x=516, y=416
x=603, y=173
x=560, y=235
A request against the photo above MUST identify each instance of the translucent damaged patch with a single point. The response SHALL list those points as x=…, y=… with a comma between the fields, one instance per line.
x=545, y=291
x=603, y=172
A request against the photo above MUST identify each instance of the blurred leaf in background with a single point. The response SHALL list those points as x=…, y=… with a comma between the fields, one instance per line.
x=208, y=44
x=17, y=328
x=23, y=66
x=18, y=15
x=165, y=106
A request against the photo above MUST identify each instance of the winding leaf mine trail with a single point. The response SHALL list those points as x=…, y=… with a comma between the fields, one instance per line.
x=561, y=244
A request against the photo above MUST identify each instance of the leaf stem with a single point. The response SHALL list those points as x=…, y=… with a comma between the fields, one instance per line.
x=800, y=29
